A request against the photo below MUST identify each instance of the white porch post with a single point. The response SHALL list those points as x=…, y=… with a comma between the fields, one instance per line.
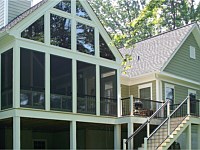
x=73, y=135
x=74, y=83
x=130, y=132
x=47, y=81
x=16, y=76
x=16, y=133
x=189, y=136
x=117, y=136
x=98, y=104
x=131, y=105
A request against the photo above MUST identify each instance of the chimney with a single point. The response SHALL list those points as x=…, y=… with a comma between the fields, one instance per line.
x=10, y=9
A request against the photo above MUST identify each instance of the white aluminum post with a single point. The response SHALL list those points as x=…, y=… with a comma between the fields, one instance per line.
x=73, y=135
x=131, y=105
x=117, y=136
x=47, y=82
x=16, y=133
x=148, y=128
x=130, y=132
x=145, y=143
x=189, y=136
x=168, y=115
x=124, y=144
x=188, y=105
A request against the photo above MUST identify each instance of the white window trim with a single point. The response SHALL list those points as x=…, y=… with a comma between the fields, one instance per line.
x=192, y=52
x=169, y=86
x=144, y=86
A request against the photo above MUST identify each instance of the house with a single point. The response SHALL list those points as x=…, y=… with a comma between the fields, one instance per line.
x=61, y=82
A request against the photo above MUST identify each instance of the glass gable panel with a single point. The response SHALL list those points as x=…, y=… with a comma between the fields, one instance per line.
x=85, y=39
x=80, y=11
x=105, y=51
x=64, y=5
x=32, y=75
x=60, y=31
x=7, y=79
x=86, y=88
x=61, y=83
x=108, y=91
x=35, y=31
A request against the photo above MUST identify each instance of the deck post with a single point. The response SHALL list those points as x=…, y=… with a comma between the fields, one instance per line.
x=130, y=132
x=148, y=128
x=131, y=105
x=188, y=105
x=124, y=144
x=73, y=135
x=117, y=136
x=16, y=133
x=145, y=143
x=189, y=136
x=168, y=115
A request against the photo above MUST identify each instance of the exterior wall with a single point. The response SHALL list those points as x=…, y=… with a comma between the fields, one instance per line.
x=15, y=8
x=180, y=92
x=191, y=68
x=125, y=91
x=134, y=89
x=1, y=13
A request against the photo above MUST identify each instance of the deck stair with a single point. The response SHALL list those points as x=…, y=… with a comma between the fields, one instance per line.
x=173, y=123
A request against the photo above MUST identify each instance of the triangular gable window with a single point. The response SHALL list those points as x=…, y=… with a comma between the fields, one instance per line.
x=80, y=11
x=35, y=31
x=64, y=5
x=105, y=51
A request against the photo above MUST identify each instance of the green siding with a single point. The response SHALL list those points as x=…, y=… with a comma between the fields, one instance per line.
x=180, y=92
x=124, y=91
x=134, y=89
x=184, y=66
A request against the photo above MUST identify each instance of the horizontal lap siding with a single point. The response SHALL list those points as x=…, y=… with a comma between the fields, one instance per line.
x=181, y=92
x=16, y=7
x=1, y=13
x=184, y=66
x=124, y=91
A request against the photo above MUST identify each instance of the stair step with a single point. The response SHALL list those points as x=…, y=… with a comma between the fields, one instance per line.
x=140, y=148
x=163, y=145
x=167, y=140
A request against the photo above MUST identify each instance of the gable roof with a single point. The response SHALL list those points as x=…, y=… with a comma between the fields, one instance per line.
x=153, y=54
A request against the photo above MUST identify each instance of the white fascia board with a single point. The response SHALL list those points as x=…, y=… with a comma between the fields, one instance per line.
x=176, y=50
x=138, y=79
x=167, y=77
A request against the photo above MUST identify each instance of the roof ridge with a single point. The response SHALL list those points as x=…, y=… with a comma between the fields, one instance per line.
x=165, y=32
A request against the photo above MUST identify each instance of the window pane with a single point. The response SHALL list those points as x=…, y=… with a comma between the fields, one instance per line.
x=64, y=5
x=80, y=11
x=105, y=51
x=145, y=93
x=61, y=83
x=35, y=31
x=60, y=31
x=85, y=39
x=7, y=79
x=170, y=94
x=108, y=91
x=32, y=74
x=86, y=87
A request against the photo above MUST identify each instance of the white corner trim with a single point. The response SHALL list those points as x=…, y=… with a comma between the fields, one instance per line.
x=176, y=50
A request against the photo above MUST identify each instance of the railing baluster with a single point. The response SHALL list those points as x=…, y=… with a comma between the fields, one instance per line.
x=131, y=105
x=188, y=105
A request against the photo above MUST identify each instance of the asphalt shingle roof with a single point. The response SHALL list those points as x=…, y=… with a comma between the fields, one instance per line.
x=152, y=54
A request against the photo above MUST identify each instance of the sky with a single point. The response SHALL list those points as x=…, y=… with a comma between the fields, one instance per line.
x=36, y=1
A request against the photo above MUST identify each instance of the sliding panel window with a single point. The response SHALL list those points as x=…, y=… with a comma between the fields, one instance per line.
x=108, y=91
x=32, y=79
x=86, y=88
x=61, y=83
x=7, y=79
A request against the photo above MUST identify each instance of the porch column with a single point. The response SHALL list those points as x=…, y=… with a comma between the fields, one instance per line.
x=130, y=132
x=117, y=136
x=74, y=87
x=47, y=82
x=189, y=137
x=98, y=103
x=73, y=135
x=16, y=133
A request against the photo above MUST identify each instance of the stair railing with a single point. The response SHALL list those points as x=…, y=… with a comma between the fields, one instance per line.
x=164, y=130
x=159, y=114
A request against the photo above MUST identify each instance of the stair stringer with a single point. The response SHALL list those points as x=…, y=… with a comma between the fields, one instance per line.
x=175, y=134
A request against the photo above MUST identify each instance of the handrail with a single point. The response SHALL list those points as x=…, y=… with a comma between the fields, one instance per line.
x=147, y=100
x=145, y=123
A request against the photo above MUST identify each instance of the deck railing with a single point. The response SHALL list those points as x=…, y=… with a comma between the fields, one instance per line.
x=108, y=106
x=86, y=104
x=139, y=107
